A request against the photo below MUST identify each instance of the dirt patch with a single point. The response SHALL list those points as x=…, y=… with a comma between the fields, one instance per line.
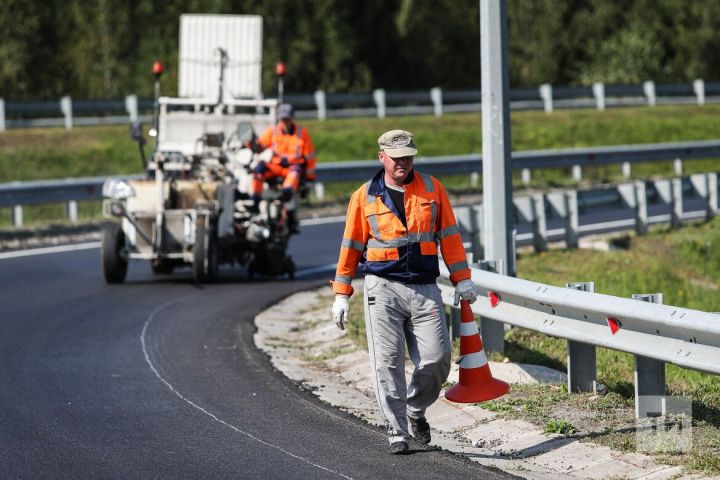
x=50, y=235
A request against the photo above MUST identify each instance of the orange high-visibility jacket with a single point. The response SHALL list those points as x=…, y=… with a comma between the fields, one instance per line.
x=375, y=236
x=296, y=147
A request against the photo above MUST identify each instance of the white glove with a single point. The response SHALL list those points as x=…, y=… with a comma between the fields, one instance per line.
x=340, y=310
x=465, y=289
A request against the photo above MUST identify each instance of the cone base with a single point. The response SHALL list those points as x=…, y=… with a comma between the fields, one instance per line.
x=459, y=393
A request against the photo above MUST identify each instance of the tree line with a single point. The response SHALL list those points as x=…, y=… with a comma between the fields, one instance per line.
x=105, y=48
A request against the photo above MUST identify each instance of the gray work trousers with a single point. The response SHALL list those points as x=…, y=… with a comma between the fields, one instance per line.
x=396, y=313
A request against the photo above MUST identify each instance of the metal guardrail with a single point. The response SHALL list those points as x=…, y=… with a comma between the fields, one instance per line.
x=656, y=334
x=566, y=216
x=531, y=159
x=71, y=191
x=380, y=103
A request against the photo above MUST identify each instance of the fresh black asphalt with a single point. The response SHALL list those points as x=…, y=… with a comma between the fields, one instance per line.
x=159, y=378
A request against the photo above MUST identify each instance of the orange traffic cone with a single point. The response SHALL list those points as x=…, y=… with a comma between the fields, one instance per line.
x=476, y=382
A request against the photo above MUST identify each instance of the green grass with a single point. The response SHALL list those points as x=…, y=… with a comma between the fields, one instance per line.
x=42, y=153
x=561, y=425
x=51, y=153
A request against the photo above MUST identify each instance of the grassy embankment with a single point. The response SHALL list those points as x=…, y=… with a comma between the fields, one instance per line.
x=35, y=154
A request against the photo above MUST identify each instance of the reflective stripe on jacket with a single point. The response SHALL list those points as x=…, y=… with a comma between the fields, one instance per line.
x=376, y=238
x=296, y=147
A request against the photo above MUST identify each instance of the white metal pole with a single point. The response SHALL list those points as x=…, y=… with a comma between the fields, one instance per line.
x=321, y=104
x=436, y=97
x=699, y=89
x=599, y=93
x=379, y=97
x=66, y=109
x=2, y=115
x=497, y=169
x=131, y=106
x=547, y=98
x=649, y=89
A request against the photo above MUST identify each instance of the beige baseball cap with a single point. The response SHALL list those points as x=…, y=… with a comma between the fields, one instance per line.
x=397, y=143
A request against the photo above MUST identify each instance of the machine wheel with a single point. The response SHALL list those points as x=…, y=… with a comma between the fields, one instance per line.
x=198, y=265
x=212, y=257
x=114, y=264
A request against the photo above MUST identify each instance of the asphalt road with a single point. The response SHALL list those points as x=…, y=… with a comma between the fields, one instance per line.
x=158, y=377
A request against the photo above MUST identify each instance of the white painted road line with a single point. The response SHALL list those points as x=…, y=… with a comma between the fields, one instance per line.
x=143, y=342
x=47, y=250
x=322, y=220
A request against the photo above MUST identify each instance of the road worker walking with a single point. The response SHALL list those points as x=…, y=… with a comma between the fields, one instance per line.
x=293, y=159
x=393, y=227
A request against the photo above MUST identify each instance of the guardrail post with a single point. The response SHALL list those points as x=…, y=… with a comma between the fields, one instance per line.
x=704, y=185
x=71, y=209
x=379, y=97
x=711, y=206
x=649, y=90
x=66, y=108
x=436, y=97
x=626, y=169
x=525, y=176
x=319, y=190
x=492, y=332
x=581, y=359
x=577, y=173
x=598, y=89
x=572, y=220
x=455, y=322
x=649, y=373
x=321, y=104
x=131, y=106
x=678, y=166
x=474, y=179
x=2, y=115
x=676, y=216
x=641, y=213
x=547, y=98
x=539, y=224
x=16, y=215
x=699, y=89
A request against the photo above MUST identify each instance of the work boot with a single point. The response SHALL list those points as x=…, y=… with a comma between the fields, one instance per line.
x=399, y=448
x=293, y=223
x=420, y=429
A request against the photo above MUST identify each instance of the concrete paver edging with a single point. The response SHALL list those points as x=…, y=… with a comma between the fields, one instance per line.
x=307, y=347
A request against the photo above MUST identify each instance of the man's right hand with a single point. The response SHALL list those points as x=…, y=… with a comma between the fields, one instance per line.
x=341, y=310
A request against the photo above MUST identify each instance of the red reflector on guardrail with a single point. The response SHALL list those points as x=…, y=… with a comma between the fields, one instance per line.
x=614, y=324
x=494, y=299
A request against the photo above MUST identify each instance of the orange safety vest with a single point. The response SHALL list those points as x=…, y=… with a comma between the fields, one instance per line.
x=296, y=147
x=375, y=236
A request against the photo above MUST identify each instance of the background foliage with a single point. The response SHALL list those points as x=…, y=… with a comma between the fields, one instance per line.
x=104, y=48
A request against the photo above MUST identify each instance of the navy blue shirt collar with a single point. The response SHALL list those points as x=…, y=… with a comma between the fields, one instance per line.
x=377, y=184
